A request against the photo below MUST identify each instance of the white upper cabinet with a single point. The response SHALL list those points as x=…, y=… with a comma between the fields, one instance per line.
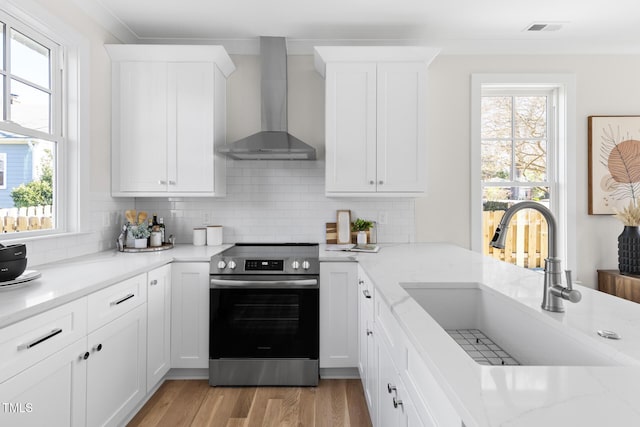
x=168, y=116
x=375, y=115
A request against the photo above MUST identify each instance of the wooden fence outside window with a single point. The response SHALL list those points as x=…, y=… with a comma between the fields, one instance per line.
x=26, y=219
x=526, y=244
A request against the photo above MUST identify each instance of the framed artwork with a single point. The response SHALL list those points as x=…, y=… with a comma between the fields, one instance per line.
x=614, y=163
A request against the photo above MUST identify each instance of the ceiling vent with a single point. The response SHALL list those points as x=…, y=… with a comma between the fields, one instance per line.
x=538, y=27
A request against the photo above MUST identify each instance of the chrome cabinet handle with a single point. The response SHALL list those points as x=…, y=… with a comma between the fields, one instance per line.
x=97, y=347
x=360, y=282
x=85, y=355
x=171, y=182
x=396, y=402
x=369, y=332
x=39, y=340
x=391, y=388
x=121, y=300
x=153, y=282
x=366, y=293
x=162, y=182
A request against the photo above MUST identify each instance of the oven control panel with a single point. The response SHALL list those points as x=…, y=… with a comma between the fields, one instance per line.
x=264, y=265
x=293, y=265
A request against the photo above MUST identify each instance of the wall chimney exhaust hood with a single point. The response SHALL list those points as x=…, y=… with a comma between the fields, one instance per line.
x=273, y=142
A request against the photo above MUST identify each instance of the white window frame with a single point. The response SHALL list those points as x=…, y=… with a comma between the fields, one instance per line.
x=3, y=162
x=73, y=65
x=561, y=161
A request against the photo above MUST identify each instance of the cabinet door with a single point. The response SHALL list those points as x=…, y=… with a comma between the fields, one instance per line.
x=190, y=315
x=116, y=375
x=389, y=414
x=401, y=117
x=366, y=342
x=350, y=115
x=139, y=126
x=50, y=393
x=338, y=315
x=158, y=325
x=190, y=123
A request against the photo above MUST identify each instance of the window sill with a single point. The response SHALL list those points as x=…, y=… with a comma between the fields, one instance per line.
x=16, y=238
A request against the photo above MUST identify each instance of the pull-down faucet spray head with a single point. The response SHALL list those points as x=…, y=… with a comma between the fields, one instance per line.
x=498, y=238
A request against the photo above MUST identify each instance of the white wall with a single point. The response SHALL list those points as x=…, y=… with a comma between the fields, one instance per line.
x=605, y=85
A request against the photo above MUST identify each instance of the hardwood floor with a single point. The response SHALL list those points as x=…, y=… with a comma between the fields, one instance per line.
x=334, y=403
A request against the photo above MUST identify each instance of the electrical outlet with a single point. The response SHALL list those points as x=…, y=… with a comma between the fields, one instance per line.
x=383, y=217
x=106, y=219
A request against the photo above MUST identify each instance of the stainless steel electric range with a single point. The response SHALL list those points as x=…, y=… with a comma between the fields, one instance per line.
x=264, y=315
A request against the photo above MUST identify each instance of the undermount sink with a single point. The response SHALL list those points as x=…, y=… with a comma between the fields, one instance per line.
x=517, y=330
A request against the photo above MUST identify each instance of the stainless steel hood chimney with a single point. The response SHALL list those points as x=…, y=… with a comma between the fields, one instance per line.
x=273, y=142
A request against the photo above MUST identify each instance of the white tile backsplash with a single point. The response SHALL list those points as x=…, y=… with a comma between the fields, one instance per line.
x=267, y=201
x=279, y=201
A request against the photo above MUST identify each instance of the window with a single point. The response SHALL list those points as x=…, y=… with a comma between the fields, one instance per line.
x=30, y=127
x=517, y=136
x=523, y=148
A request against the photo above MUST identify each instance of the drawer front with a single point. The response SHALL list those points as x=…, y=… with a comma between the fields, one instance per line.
x=27, y=342
x=114, y=301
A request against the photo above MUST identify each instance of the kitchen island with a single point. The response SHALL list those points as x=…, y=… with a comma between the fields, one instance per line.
x=515, y=395
x=480, y=395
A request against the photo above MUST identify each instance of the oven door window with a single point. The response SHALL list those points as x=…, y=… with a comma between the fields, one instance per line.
x=264, y=323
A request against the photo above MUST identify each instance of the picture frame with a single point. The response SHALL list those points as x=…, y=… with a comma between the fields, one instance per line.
x=343, y=226
x=614, y=162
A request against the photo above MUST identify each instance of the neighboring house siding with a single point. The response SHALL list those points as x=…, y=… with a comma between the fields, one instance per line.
x=19, y=170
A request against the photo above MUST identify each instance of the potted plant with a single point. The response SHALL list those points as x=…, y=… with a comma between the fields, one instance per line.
x=629, y=239
x=361, y=231
x=140, y=234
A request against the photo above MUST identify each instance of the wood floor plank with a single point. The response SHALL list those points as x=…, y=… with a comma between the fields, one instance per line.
x=258, y=407
x=290, y=407
x=210, y=409
x=243, y=404
x=185, y=405
x=307, y=411
x=272, y=413
x=357, y=405
x=156, y=408
x=236, y=422
x=229, y=399
x=334, y=403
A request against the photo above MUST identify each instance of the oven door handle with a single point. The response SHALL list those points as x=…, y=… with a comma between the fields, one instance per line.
x=215, y=283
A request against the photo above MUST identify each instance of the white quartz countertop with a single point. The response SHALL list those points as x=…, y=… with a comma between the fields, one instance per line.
x=67, y=280
x=530, y=396
x=518, y=396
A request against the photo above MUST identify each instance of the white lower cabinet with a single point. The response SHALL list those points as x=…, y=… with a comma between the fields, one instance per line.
x=399, y=389
x=158, y=324
x=80, y=364
x=190, y=315
x=395, y=405
x=116, y=370
x=338, y=315
x=49, y=393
